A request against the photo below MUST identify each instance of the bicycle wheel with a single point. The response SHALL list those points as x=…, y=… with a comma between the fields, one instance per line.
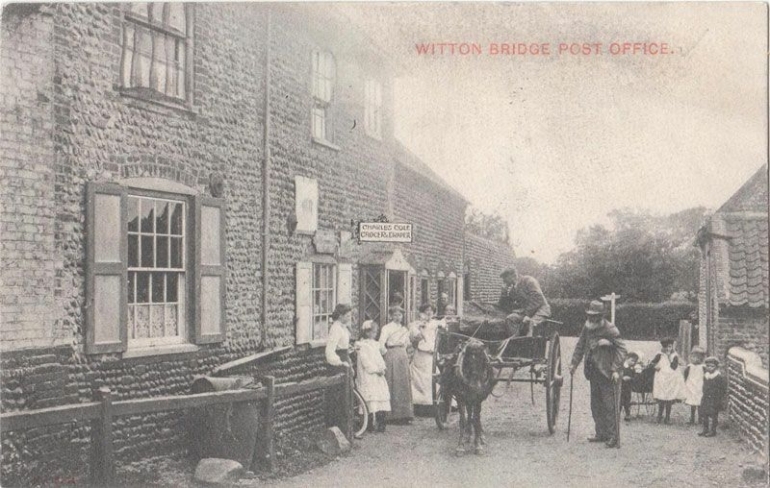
x=360, y=414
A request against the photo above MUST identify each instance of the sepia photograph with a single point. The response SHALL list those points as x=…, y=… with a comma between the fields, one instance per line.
x=386, y=244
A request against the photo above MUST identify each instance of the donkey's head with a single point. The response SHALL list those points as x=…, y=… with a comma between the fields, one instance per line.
x=475, y=370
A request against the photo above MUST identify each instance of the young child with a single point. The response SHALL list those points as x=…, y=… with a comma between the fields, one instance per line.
x=668, y=385
x=629, y=373
x=395, y=338
x=714, y=391
x=693, y=382
x=370, y=376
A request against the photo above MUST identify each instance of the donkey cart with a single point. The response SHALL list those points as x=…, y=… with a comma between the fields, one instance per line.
x=539, y=356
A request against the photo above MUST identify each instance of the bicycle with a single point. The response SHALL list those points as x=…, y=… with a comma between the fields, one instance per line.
x=360, y=410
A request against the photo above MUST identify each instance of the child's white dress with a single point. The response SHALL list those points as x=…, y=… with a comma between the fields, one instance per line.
x=372, y=386
x=668, y=384
x=694, y=385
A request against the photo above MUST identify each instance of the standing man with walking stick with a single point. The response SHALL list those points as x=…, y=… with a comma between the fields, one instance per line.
x=604, y=352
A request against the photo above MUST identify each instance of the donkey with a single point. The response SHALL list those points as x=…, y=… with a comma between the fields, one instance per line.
x=469, y=381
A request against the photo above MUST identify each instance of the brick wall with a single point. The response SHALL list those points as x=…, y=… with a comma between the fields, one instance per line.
x=745, y=327
x=485, y=260
x=748, y=397
x=67, y=123
x=27, y=224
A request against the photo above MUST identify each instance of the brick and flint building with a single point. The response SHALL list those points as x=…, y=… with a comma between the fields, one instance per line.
x=179, y=186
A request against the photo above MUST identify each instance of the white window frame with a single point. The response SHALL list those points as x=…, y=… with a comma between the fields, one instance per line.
x=373, y=108
x=324, y=316
x=323, y=77
x=181, y=336
x=177, y=42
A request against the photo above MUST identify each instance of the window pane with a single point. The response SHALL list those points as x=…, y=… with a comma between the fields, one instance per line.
x=133, y=215
x=160, y=61
x=143, y=287
x=176, y=252
x=176, y=218
x=131, y=324
x=172, y=288
x=147, y=251
x=162, y=252
x=172, y=320
x=133, y=251
x=161, y=222
x=158, y=287
x=131, y=285
x=140, y=8
x=156, y=10
x=148, y=216
x=157, y=321
x=128, y=55
x=142, y=321
x=177, y=17
x=180, y=91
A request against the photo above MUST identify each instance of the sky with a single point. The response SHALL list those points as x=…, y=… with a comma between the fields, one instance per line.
x=553, y=142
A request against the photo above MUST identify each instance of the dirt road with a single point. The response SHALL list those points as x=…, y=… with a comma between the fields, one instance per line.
x=522, y=453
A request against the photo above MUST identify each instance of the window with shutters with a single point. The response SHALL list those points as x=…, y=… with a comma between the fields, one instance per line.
x=320, y=286
x=156, y=50
x=155, y=269
x=323, y=78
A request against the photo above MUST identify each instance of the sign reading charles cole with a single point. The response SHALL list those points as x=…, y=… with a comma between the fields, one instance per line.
x=384, y=232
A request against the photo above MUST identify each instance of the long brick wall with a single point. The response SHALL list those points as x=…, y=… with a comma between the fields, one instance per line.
x=744, y=327
x=65, y=122
x=485, y=260
x=748, y=397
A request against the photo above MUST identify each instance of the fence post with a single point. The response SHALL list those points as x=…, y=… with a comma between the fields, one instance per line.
x=102, y=459
x=348, y=405
x=265, y=435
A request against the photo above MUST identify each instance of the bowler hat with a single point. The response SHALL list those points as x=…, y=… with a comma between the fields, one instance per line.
x=712, y=360
x=595, y=308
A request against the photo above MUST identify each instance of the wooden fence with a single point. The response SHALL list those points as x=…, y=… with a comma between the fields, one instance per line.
x=102, y=412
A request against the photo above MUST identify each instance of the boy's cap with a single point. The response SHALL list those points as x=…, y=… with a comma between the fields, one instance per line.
x=712, y=360
x=632, y=354
x=667, y=341
x=697, y=350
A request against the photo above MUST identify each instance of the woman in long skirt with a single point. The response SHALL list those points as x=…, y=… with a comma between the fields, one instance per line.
x=423, y=334
x=395, y=338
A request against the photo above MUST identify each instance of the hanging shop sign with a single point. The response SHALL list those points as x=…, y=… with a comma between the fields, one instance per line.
x=384, y=232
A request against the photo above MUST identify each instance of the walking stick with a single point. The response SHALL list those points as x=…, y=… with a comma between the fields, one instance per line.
x=616, y=390
x=569, y=417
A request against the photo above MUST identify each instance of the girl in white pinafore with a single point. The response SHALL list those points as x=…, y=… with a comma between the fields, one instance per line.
x=668, y=385
x=693, y=382
x=370, y=376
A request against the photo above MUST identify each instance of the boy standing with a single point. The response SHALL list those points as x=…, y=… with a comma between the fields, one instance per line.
x=714, y=391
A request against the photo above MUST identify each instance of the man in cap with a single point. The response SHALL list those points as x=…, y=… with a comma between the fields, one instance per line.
x=523, y=301
x=604, y=352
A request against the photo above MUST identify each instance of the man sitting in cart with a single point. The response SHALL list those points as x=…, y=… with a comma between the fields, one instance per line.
x=524, y=302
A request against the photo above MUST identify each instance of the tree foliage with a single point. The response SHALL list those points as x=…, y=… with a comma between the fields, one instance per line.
x=642, y=257
x=492, y=227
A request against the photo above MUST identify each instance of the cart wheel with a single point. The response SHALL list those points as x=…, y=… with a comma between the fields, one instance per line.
x=553, y=383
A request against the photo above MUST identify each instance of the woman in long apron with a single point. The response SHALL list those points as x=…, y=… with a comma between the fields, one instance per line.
x=423, y=335
x=395, y=337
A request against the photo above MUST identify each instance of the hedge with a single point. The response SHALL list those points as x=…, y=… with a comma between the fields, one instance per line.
x=636, y=321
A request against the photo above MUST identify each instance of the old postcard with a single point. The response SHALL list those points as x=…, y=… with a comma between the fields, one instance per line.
x=385, y=244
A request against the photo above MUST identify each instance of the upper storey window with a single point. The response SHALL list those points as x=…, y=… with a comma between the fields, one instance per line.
x=156, y=50
x=324, y=74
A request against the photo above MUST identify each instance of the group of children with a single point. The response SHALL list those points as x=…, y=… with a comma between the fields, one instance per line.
x=699, y=385
x=394, y=373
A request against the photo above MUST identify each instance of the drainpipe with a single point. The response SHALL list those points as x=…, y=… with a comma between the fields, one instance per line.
x=266, y=188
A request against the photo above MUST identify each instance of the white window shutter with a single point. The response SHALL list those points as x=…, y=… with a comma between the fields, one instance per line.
x=106, y=275
x=345, y=283
x=459, y=294
x=210, y=266
x=304, y=302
